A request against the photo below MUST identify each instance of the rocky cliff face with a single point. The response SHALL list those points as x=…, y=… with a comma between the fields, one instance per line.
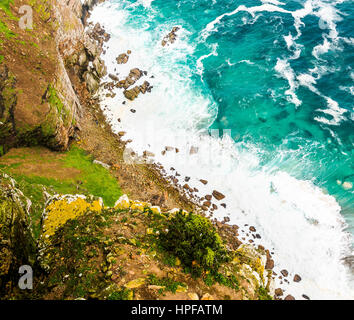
x=38, y=96
x=17, y=246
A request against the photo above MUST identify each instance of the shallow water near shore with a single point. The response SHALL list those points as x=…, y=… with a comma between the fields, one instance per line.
x=278, y=79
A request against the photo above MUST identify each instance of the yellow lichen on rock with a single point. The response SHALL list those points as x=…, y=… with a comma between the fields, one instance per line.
x=135, y=283
x=123, y=203
x=58, y=212
x=139, y=206
x=97, y=205
x=155, y=209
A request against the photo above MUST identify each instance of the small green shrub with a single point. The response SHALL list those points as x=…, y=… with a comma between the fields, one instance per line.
x=123, y=294
x=194, y=240
x=263, y=294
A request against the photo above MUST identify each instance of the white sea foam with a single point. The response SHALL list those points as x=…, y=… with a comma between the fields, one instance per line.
x=284, y=69
x=200, y=66
x=298, y=221
x=275, y=2
x=211, y=27
x=333, y=109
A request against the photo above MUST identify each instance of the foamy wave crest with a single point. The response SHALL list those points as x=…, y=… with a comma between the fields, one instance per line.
x=284, y=69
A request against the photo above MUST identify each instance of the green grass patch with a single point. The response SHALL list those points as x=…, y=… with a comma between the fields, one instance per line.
x=5, y=6
x=6, y=31
x=96, y=179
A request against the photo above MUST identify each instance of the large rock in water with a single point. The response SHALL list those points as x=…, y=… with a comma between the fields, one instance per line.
x=17, y=246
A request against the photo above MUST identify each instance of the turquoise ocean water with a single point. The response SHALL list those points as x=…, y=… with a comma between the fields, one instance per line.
x=278, y=75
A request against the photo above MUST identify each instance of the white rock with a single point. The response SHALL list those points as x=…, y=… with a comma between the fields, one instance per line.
x=104, y=165
x=122, y=203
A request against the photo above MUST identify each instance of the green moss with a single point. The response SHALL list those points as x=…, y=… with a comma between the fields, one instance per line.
x=42, y=8
x=5, y=6
x=123, y=294
x=6, y=31
x=54, y=99
x=72, y=270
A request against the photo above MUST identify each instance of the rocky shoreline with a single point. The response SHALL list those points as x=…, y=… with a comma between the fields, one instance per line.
x=203, y=205
x=72, y=114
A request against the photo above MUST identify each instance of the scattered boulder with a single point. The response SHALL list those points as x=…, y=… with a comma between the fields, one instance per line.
x=297, y=278
x=99, y=34
x=284, y=272
x=289, y=297
x=171, y=37
x=132, y=94
x=137, y=283
x=113, y=77
x=134, y=75
x=122, y=58
x=279, y=292
x=148, y=154
x=203, y=181
x=218, y=195
x=207, y=204
x=145, y=87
